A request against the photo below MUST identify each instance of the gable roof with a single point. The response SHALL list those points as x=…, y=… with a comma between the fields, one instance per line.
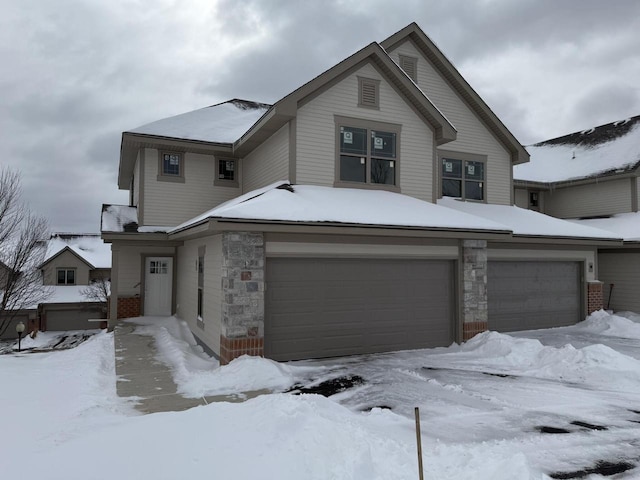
x=89, y=248
x=609, y=149
x=415, y=34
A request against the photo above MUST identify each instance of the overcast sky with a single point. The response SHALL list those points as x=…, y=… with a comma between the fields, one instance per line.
x=75, y=74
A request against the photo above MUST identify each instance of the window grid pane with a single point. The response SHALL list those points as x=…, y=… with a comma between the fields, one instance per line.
x=353, y=169
x=383, y=171
x=383, y=144
x=226, y=169
x=171, y=164
x=353, y=140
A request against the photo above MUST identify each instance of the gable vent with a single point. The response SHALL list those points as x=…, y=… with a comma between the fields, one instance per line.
x=410, y=66
x=369, y=92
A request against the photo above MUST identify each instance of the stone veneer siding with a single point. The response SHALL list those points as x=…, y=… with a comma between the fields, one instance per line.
x=594, y=297
x=475, y=310
x=242, y=295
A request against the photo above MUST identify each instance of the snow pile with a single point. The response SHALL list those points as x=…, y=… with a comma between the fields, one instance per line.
x=310, y=203
x=593, y=364
x=115, y=217
x=623, y=324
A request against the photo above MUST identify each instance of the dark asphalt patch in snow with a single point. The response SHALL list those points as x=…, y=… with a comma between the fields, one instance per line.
x=601, y=467
x=589, y=426
x=329, y=387
x=501, y=375
x=552, y=430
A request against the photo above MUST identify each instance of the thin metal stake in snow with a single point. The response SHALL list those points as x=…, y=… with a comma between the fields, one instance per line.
x=610, y=292
x=419, y=440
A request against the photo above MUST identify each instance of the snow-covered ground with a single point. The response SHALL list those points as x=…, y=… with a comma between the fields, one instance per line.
x=485, y=407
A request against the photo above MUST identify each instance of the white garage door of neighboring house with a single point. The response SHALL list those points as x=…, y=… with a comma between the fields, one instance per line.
x=320, y=307
x=533, y=295
x=158, y=286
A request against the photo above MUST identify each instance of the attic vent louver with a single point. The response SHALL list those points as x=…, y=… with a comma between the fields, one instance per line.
x=410, y=66
x=368, y=92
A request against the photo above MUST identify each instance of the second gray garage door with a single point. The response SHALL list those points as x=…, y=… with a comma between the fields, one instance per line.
x=319, y=307
x=532, y=295
x=72, y=319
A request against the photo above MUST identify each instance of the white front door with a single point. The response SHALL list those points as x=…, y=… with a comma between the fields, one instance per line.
x=158, y=286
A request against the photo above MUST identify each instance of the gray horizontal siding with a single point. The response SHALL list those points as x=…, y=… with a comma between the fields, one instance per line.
x=623, y=270
x=602, y=198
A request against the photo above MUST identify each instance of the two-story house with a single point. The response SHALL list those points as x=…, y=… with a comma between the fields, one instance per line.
x=369, y=210
x=592, y=177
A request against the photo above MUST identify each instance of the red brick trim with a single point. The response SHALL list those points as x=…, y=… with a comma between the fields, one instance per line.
x=471, y=329
x=231, y=348
x=128, y=307
x=594, y=297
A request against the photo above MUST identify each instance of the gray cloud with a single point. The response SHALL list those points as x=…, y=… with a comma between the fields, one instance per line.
x=76, y=74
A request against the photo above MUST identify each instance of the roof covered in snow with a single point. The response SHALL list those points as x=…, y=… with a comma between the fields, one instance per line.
x=89, y=247
x=523, y=222
x=608, y=149
x=625, y=225
x=221, y=123
x=309, y=203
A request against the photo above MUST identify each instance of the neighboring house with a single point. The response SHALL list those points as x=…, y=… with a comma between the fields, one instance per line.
x=321, y=225
x=592, y=177
x=72, y=263
x=26, y=316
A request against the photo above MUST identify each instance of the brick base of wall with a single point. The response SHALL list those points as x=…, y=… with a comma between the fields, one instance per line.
x=128, y=307
x=594, y=297
x=471, y=329
x=231, y=348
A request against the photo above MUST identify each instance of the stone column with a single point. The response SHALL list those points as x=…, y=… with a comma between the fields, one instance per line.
x=242, y=295
x=474, y=288
x=594, y=297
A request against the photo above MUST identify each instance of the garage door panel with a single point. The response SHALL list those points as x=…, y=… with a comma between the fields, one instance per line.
x=533, y=295
x=356, y=306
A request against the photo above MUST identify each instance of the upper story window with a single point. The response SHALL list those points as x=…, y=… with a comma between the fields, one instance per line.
x=66, y=276
x=226, y=172
x=368, y=153
x=368, y=92
x=463, y=177
x=171, y=167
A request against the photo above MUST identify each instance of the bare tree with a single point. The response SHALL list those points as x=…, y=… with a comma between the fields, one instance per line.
x=98, y=290
x=23, y=246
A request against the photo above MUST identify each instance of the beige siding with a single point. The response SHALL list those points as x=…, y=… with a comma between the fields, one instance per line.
x=268, y=163
x=171, y=203
x=187, y=285
x=603, y=198
x=623, y=270
x=129, y=268
x=316, y=134
x=473, y=136
x=65, y=260
x=521, y=197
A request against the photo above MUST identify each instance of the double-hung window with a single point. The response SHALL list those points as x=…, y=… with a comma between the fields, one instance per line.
x=66, y=276
x=367, y=154
x=463, y=177
x=171, y=167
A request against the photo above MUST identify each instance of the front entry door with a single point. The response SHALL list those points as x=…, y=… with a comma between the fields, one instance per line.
x=158, y=286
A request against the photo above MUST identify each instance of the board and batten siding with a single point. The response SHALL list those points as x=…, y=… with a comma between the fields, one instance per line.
x=169, y=203
x=316, y=134
x=268, y=163
x=623, y=270
x=187, y=289
x=602, y=198
x=473, y=136
x=130, y=268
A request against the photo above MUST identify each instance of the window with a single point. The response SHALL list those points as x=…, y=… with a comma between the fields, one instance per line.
x=226, y=172
x=463, y=178
x=410, y=66
x=200, y=268
x=66, y=276
x=368, y=154
x=368, y=92
x=171, y=167
x=533, y=199
x=158, y=267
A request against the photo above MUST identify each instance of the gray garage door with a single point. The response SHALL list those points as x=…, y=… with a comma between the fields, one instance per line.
x=330, y=307
x=532, y=295
x=72, y=319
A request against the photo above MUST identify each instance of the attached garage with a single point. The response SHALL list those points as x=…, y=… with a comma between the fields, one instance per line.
x=323, y=307
x=72, y=317
x=527, y=295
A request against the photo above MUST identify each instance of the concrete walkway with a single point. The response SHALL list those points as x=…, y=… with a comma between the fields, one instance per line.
x=148, y=380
